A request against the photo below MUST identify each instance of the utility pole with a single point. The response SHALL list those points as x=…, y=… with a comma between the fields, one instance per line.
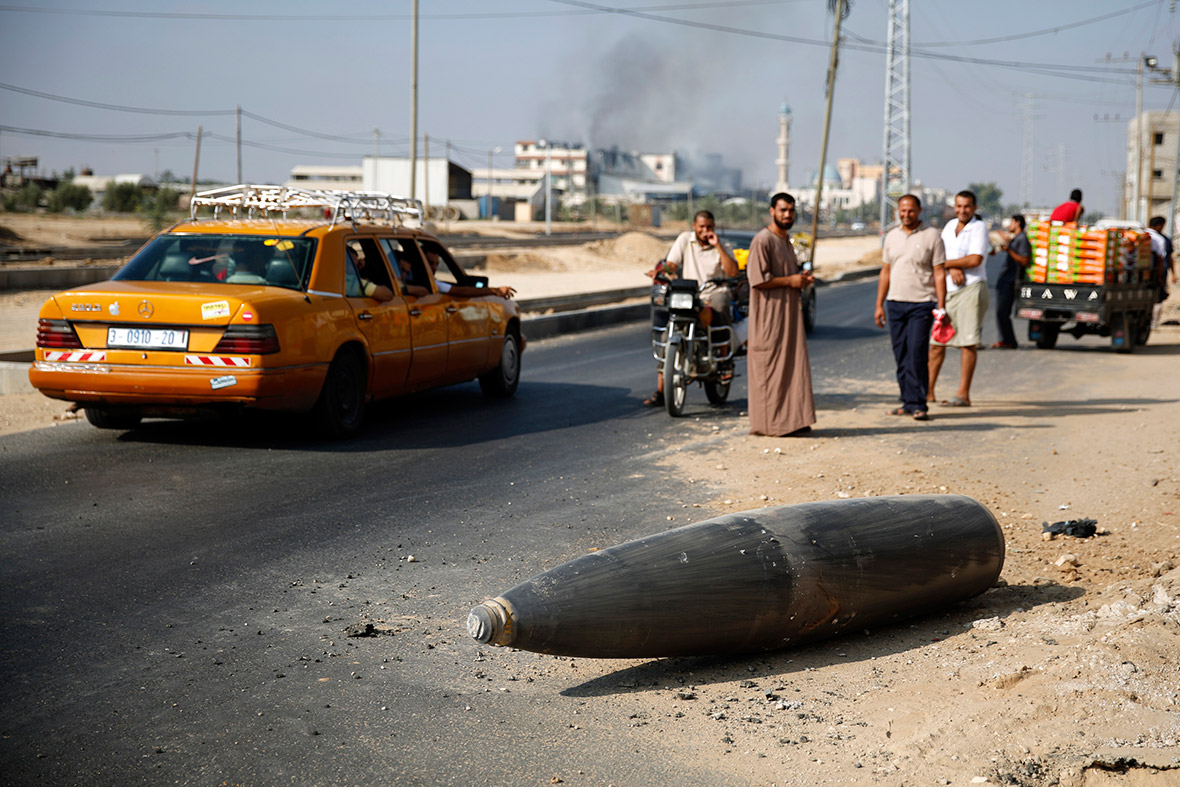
x=1167, y=76
x=426, y=177
x=895, y=159
x=414, y=105
x=823, y=152
x=1171, y=227
x=196, y=162
x=239, y=113
x=447, y=190
x=1139, y=134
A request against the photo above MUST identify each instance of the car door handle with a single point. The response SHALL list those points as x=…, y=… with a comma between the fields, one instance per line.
x=452, y=309
x=365, y=316
x=415, y=312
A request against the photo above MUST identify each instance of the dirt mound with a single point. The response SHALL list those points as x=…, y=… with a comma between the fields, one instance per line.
x=636, y=247
x=636, y=250
x=515, y=263
x=8, y=236
x=871, y=259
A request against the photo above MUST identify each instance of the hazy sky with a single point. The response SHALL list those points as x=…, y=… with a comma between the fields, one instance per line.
x=692, y=75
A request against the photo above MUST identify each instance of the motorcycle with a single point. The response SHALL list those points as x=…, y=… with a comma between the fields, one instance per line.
x=690, y=348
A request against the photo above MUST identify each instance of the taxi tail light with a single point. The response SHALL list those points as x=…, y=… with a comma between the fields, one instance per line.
x=248, y=340
x=57, y=334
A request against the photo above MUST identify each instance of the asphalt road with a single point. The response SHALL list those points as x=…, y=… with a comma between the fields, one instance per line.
x=174, y=599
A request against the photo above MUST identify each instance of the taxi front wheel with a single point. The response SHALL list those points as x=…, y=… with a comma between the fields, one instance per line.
x=340, y=409
x=502, y=380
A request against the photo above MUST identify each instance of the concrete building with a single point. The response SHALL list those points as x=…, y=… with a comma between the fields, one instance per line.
x=1151, y=152
x=99, y=184
x=566, y=163
x=319, y=176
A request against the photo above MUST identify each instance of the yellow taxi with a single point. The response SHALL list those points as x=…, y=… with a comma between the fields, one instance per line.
x=277, y=299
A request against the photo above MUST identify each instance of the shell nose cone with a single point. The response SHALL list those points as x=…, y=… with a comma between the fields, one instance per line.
x=481, y=623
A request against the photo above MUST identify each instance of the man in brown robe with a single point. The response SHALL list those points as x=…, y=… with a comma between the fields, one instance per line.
x=780, y=398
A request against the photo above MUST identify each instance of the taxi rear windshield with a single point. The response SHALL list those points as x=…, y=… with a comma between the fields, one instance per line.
x=224, y=259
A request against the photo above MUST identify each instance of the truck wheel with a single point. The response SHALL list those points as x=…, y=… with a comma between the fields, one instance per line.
x=1122, y=338
x=1044, y=334
x=1144, y=329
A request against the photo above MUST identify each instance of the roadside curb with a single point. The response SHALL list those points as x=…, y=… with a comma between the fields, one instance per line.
x=548, y=325
x=54, y=278
x=863, y=273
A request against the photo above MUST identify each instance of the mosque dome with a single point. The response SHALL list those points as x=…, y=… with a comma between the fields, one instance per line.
x=831, y=178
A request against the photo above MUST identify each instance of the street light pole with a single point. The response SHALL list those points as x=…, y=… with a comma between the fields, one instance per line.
x=414, y=106
x=1139, y=137
x=1176, y=161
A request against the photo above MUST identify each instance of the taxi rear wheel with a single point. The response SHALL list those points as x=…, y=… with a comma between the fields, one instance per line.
x=502, y=380
x=340, y=409
x=113, y=418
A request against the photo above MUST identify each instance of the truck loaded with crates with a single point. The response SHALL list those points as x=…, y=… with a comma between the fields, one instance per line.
x=1088, y=280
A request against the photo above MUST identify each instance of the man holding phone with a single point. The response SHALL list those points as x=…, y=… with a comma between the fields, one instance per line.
x=700, y=255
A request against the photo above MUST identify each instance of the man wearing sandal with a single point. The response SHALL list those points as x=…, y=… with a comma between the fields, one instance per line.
x=911, y=285
x=967, y=244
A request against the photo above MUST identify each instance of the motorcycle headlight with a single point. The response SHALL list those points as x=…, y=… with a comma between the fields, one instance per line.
x=681, y=300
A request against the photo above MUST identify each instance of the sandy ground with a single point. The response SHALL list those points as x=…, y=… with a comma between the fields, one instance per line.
x=1066, y=673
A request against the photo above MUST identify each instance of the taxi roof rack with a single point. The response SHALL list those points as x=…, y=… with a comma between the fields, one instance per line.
x=246, y=201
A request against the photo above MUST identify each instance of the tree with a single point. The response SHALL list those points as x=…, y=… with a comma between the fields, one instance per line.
x=988, y=198
x=122, y=198
x=27, y=198
x=157, y=206
x=69, y=196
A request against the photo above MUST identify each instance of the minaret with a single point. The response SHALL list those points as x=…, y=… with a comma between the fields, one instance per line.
x=784, y=147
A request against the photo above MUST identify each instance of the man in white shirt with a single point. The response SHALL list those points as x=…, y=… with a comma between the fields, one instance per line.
x=698, y=254
x=966, y=242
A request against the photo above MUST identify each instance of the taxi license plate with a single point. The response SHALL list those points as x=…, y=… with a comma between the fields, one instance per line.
x=148, y=338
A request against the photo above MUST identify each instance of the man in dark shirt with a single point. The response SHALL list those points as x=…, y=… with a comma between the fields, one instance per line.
x=1017, y=254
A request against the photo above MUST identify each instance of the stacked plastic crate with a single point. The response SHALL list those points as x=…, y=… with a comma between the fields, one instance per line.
x=1066, y=253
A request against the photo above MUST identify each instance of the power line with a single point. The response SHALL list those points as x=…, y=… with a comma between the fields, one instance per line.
x=186, y=112
x=351, y=18
x=36, y=132
x=115, y=107
x=1031, y=33
x=1061, y=70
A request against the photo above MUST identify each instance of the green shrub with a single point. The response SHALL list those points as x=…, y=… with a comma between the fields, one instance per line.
x=69, y=196
x=158, y=205
x=122, y=198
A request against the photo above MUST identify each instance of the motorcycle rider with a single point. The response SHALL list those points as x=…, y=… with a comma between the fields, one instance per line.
x=700, y=255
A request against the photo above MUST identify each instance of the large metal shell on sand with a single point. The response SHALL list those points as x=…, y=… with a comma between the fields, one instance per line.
x=757, y=580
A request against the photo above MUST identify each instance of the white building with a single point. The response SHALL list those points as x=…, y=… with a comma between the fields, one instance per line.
x=1151, y=152
x=318, y=176
x=566, y=163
